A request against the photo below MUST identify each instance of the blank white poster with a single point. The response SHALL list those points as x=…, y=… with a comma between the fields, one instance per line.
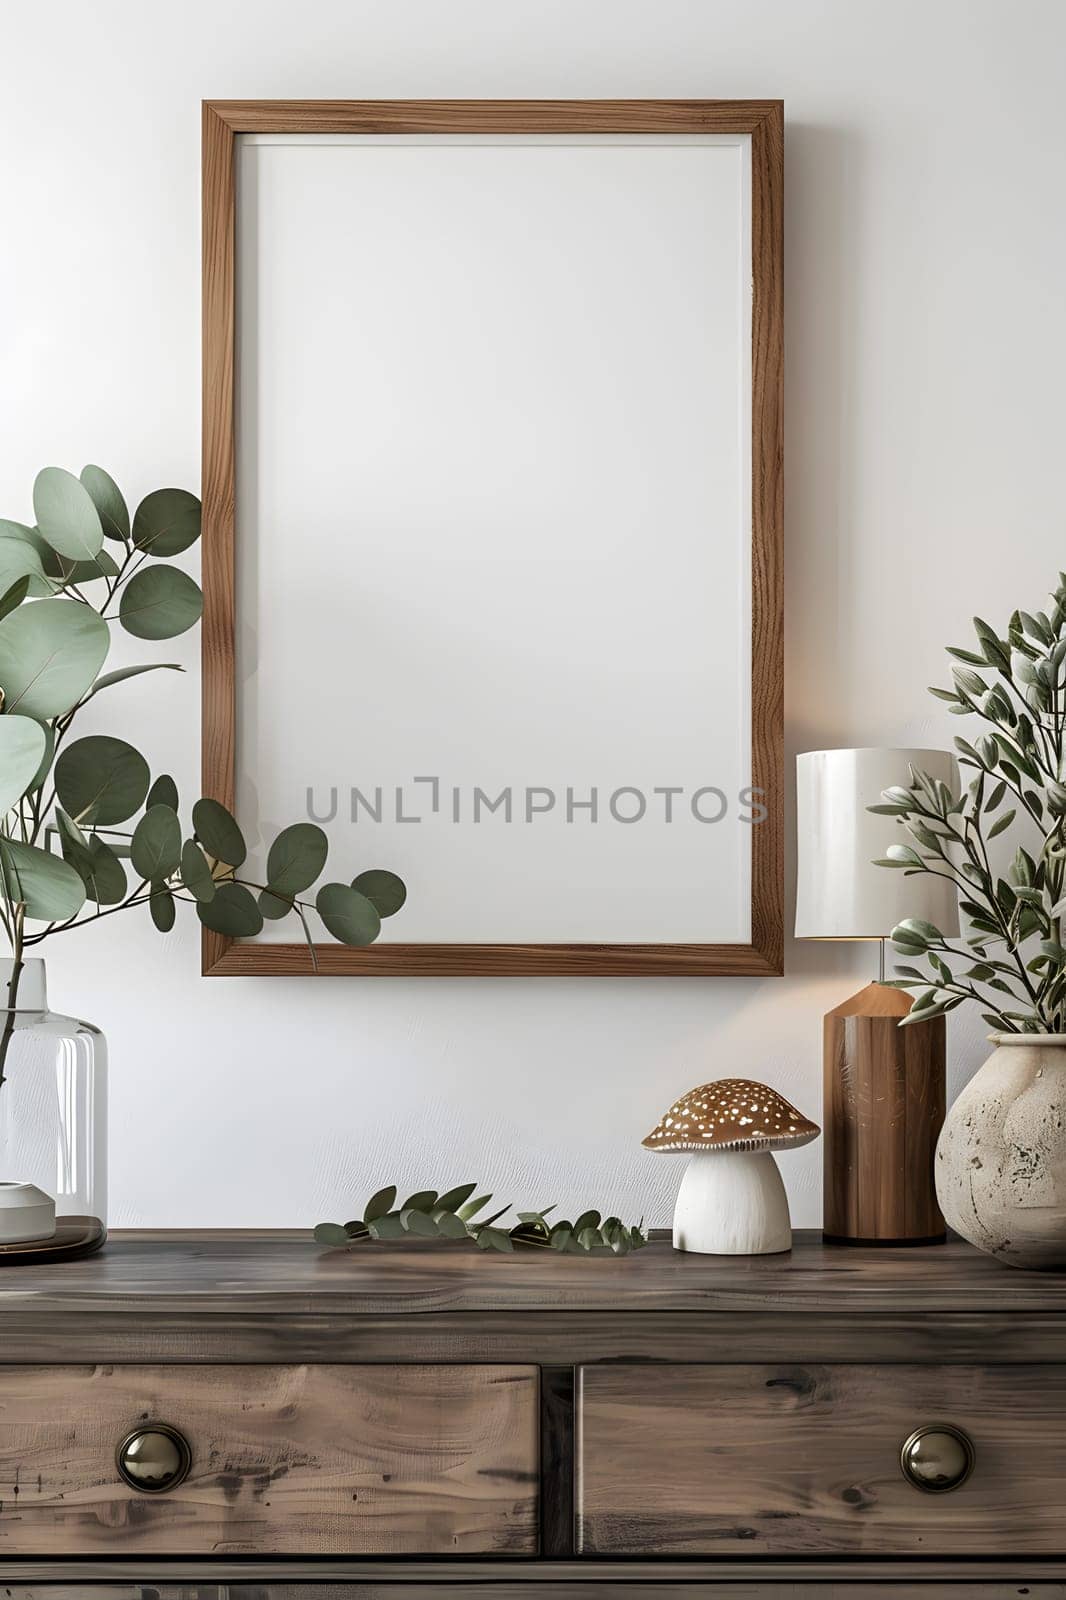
x=494, y=526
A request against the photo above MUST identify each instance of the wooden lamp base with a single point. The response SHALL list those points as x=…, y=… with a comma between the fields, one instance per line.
x=884, y=1102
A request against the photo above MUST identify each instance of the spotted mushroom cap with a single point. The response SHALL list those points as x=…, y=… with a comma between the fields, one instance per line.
x=732, y=1114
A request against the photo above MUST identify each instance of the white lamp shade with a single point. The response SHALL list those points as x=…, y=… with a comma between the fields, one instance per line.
x=840, y=894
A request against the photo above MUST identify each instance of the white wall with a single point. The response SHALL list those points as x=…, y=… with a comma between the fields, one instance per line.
x=925, y=248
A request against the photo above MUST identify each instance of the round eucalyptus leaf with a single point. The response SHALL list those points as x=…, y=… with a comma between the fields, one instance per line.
x=23, y=743
x=155, y=849
x=385, y=891
x=331, y=1233
x=420, y=1222
x=12, y=597
x=348, y=915
x=160, y=603
x=74, y=844
x=233, y=912
x=102, y=565
x=451, y=1226
x=52, y=564
x=20, y=559
x=107, y=877
x=164, y=792
x=273, y=906
x=167, y=522
x=195, y=872
x=100, y=780
x=380, y=1203
x=48, y=886
x=296, y=858
x=66, y=515
x=50, y=653
x=24, y=534
x=107, y=498
x=218, y=832
x=46, y=760
x=161, y=907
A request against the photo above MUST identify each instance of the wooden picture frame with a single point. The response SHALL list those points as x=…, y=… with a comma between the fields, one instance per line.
x=762, y=121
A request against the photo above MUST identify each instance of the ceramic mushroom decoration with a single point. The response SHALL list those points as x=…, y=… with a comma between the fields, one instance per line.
x=732, y=1201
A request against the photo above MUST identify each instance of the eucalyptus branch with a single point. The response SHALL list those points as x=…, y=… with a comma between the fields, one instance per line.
x=454, y=1215
x=61, y=798
x=135, y=899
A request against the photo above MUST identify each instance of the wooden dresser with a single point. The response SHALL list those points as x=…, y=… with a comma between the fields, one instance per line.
x=192, y=1414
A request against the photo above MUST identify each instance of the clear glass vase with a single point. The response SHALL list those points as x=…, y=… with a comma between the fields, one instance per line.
x=53, y=1125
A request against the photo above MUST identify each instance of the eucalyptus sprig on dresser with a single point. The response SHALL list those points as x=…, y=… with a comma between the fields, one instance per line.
x=454, y=1214
x=1013, y=962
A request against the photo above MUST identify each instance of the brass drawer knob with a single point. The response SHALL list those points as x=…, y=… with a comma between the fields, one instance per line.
x=937, y=1458
x=154, y=1459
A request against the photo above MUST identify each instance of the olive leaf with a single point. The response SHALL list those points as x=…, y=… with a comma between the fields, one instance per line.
x=1012, y=779
x=109, y=678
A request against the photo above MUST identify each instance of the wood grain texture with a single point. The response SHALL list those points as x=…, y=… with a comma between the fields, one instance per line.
x=768, y=519
x=213, y=1273
x=804, y=1460
x=989, y=1578
x=548, y=1338
x=246, y=958
x=884, y=1100
x=232, y=1297
x=531, y=1588
x=377, y=1460
x=218, y=705
x=764, y=121
x=663, y=1590
x=496, y=116
x=557, y=1461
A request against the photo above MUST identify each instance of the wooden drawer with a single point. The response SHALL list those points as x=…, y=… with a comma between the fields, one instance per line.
x=371, y=1460
x=788, y=1460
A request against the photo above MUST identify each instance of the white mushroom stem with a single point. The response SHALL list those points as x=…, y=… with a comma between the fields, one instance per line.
x=732, y=1203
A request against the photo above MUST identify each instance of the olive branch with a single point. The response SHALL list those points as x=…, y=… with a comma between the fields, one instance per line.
x=1012, y=961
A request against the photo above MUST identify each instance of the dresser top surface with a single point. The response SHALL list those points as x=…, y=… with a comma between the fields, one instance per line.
x=217, y=1273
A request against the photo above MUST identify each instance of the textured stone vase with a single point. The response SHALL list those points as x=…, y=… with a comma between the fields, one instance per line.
x=1001, y=1159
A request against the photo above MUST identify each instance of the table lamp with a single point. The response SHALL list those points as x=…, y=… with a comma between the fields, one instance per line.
x=884, y=1086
